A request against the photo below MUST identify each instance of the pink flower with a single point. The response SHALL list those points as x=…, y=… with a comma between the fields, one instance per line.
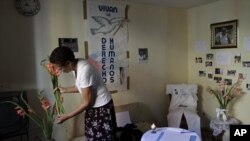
x=224, y=93
x=45, y=104
x=53, y=70
x=222, y=86
x=30, y=110
x=20, y=111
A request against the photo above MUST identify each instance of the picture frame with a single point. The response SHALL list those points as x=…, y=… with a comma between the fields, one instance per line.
x=224, y=34
x=143, y=55
x=71, y=43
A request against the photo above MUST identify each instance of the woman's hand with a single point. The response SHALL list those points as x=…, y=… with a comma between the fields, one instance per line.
x=71, y=89
x=61, y=118
x=61, y=89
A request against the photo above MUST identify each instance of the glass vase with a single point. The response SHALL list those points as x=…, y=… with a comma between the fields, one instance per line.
x=222, y=114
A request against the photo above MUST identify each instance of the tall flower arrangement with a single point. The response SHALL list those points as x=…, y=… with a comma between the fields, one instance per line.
x=225, y=94
x=45, y=123
x=54, y=73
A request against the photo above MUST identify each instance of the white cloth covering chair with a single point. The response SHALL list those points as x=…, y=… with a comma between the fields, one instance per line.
x=183, y=103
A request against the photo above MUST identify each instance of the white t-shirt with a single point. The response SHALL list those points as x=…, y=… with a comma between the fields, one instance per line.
x=223, y=39
x=87, y=76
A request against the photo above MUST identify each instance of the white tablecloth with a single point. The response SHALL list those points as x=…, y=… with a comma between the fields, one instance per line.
x=219, y=126
x=170, y=134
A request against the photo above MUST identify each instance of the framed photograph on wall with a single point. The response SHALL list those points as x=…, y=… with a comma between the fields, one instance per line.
x=224, y=34
x=69, y=42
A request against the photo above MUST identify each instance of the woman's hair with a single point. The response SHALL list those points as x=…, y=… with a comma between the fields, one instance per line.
x=62, y=56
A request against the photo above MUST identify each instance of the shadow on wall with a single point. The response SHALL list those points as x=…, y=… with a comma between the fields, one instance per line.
x=75, y=127
x=17, y=55
x=204, y=120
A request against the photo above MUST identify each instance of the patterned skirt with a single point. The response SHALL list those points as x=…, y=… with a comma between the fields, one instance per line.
x=100, y=123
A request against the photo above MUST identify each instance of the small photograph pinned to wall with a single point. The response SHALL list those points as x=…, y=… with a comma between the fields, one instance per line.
x=246, y=64
x=69, y=42
x=228, y=81
x=209, y=56
x=217, y=79
x=202, y=73
x=237, y=58
x=231, y=72
x=122, y=75
x=242, y=76
x=210, y=76
x=218, y=71
x=209, y=63
x=198, y=59
x=248, y=86
x=143, y=55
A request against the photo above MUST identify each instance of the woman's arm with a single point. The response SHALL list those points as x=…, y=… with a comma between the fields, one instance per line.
x=71, y=89
x=86, y=100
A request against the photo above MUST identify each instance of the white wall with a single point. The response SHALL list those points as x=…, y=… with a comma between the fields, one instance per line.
x=27, y=40
x=150, y=27
x=199, y=20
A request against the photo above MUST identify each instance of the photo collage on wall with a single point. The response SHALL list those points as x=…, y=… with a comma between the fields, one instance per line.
x=213, y=70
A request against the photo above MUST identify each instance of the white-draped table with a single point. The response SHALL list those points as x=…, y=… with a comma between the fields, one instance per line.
x=219, y=127
x=170, y=134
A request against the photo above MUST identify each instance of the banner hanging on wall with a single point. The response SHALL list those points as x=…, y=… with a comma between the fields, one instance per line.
x=107, y=32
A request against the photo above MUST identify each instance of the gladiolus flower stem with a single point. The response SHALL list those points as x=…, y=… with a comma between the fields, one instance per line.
x=224, y=94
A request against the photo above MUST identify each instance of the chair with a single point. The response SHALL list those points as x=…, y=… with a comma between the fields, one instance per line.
x=183, y=106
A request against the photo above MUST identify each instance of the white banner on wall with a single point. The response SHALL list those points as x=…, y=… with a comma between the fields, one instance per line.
x=107, y=32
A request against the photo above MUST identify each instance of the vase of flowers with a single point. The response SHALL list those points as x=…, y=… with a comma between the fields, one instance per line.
x=46, y=122
x=224, y=95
